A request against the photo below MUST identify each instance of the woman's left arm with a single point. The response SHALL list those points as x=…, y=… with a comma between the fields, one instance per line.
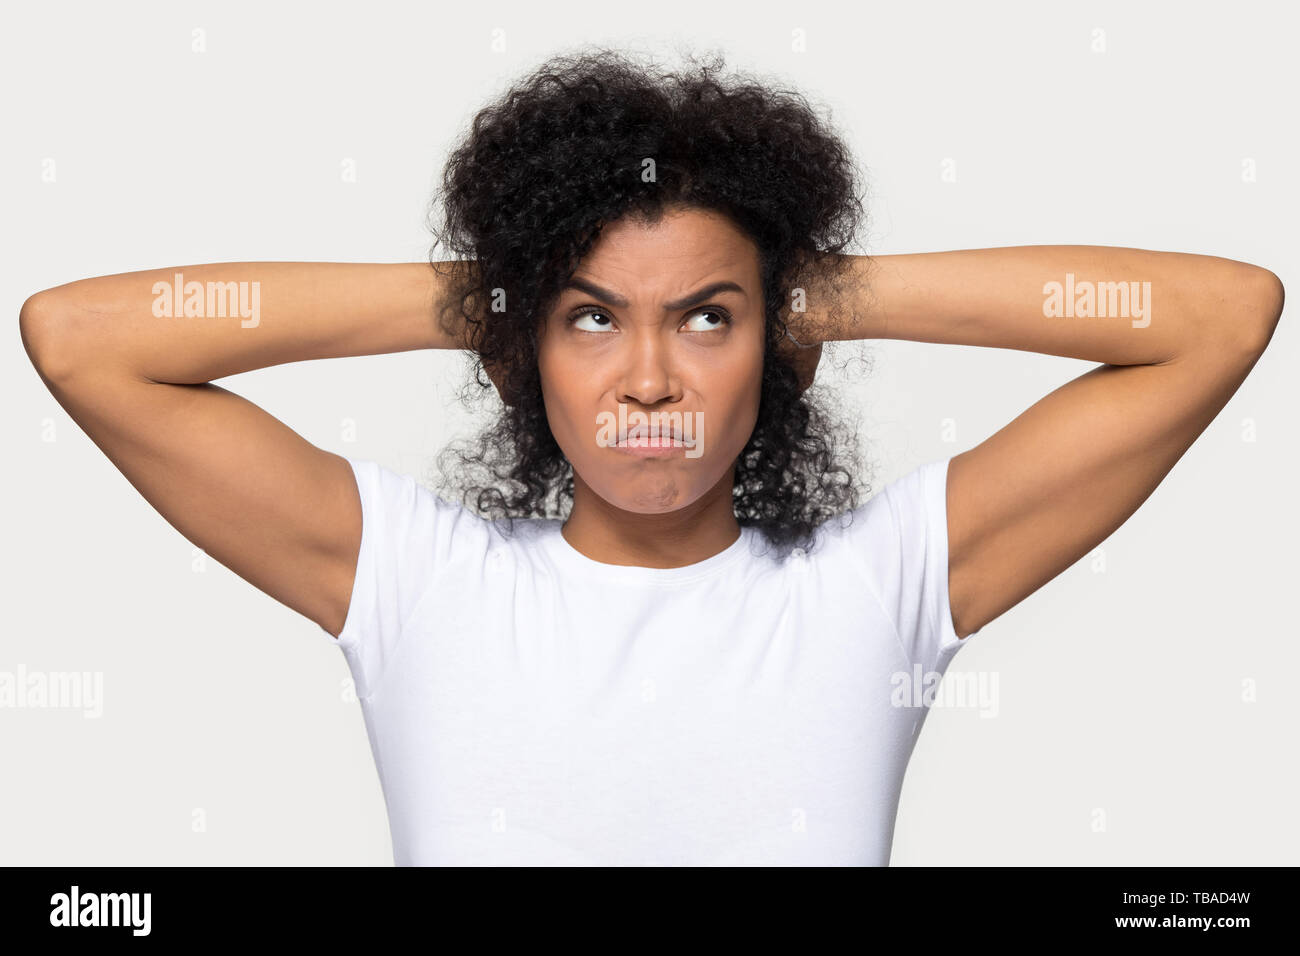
x=1176, y=333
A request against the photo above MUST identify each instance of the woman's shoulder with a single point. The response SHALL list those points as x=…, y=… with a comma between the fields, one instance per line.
x=409, y=513
x=895, y=513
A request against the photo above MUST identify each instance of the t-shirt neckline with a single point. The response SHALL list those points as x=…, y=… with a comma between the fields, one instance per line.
x=569, y=558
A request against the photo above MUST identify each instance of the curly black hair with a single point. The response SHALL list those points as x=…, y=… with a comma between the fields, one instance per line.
x=566, y=151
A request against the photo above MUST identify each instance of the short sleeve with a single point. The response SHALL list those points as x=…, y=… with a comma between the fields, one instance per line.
x=403, y=527
x=905, y=542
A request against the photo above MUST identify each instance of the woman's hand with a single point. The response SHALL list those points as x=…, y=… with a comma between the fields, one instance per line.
x=805, y=358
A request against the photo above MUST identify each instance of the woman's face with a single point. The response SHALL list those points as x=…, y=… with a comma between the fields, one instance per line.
x=664, y=318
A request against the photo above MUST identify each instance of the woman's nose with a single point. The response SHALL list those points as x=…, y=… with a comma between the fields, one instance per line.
x=648, y=375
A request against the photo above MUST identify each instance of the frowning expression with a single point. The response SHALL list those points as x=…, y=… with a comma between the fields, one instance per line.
x=651, y=360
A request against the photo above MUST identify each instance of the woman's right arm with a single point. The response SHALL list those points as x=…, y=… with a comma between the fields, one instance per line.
x=135, y=373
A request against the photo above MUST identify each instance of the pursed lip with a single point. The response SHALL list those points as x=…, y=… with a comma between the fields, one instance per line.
x=643, y=435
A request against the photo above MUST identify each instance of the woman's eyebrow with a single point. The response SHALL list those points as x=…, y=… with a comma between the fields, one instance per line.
x=695, y=298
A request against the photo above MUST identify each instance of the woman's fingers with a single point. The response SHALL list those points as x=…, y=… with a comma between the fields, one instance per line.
x=805, y=360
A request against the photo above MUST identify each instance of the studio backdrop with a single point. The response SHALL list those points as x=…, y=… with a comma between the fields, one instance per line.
x=157, y=709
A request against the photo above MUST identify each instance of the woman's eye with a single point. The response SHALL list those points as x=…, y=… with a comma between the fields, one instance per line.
x=592, y=316
x=721, y=318
x=706, y=319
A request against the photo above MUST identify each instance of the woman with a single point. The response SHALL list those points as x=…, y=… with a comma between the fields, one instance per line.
x=699, y=647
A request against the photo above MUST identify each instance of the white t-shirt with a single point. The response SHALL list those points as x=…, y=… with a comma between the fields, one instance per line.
x=527, y=705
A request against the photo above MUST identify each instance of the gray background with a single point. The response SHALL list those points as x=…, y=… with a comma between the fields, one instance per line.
x=1142, y=714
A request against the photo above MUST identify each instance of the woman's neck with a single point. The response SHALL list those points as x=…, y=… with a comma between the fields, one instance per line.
x=669, y=539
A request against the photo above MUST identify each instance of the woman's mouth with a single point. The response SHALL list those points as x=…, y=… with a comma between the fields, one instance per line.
x=675, y=435
x=650, y=443
x=655, y=446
